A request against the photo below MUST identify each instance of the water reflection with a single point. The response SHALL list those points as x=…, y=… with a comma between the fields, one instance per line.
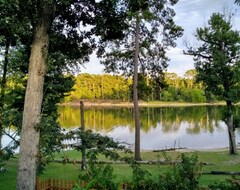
x=193, y=127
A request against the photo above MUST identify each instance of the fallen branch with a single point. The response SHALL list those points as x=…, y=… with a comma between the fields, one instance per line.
x=149, y=162
x=169, y=149
x=221, y=173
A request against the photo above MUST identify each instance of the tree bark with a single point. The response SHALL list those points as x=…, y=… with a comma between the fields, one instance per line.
x=83, y=163
x=30, y=134
x=4, y=76
x=137, y=155
x=3, y=85
x=232, y=141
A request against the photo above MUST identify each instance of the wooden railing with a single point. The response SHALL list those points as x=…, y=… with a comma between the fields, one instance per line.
x=63, y=184
x=56, y=184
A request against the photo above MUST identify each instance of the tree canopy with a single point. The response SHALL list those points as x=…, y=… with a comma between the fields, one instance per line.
x=217, y=59
x=157, y=32
x=106, y=87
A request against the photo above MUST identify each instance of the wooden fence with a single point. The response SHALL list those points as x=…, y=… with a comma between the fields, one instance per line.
x=56, y=184
x=62, y=184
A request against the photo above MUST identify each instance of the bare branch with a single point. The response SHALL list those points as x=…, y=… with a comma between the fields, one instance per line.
x=194, y=53
x=11, y=136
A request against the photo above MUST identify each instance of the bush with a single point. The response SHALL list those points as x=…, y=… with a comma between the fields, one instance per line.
x=225, y=185
x=98, y=176
x=197, y=95
x=183, y=176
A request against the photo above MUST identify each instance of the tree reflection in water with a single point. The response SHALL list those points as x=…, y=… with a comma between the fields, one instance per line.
x=161, y=126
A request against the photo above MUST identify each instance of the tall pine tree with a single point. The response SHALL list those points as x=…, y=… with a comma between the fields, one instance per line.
x=151, y=30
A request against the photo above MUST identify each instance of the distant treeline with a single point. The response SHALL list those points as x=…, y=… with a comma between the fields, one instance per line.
x=115, y=87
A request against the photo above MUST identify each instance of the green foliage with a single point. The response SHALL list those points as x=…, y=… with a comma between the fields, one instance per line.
x=103, y=87
x=183, y=95
x=197, y=96
x=216, y=59
x=49, y=141
x=98, y=176
x=96, y=144
x=56, y=87
x=5, y=154
x=184, y=89
x=140, y=177
x=236, y=121
x=114, y=87
x=183, y=176
x=167, y=96
x=230, y=184
x=144, y=89
x=235, y=114
x=69, y=47
x=155, y=18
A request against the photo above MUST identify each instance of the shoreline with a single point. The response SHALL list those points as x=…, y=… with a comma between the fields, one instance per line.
x=189, y=149
x=141, y=104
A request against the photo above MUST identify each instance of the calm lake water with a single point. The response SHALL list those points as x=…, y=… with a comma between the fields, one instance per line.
x=199, y=127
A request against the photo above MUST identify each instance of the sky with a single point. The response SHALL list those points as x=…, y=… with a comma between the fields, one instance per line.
x=190, y=14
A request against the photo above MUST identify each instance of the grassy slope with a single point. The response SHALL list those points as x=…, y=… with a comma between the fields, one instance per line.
x=220, y=161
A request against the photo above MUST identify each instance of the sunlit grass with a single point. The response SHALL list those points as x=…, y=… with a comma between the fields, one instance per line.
x=214, y=160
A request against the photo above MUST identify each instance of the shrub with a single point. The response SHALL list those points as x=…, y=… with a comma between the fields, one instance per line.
x=98, y=176
x=183, y=176
x=225, y=185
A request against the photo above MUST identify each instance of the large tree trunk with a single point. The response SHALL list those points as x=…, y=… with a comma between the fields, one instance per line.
x=229, y=119
x=137, y=155
x=30, y=134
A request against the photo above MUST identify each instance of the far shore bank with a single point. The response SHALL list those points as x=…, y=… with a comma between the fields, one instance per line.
x=88, y=103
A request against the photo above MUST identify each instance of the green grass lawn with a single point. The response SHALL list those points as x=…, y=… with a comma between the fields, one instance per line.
x=8, y=178
x=218, y=160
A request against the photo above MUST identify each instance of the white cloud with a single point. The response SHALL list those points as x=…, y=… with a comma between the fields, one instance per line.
x=179, y=63
x=191, y=15
x=93, y=67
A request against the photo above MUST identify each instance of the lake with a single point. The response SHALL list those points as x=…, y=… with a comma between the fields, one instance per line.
x=198, y=127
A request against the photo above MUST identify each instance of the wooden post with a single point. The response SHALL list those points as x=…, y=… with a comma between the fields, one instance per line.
x=37, y=183
x=83, y=165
